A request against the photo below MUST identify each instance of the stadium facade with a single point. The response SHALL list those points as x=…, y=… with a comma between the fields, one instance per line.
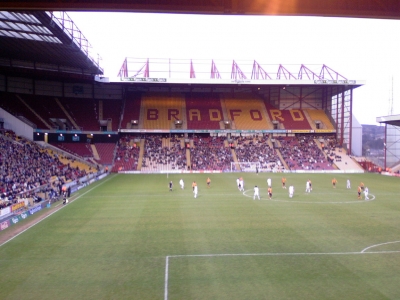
x=53, y=91
x=392, y=141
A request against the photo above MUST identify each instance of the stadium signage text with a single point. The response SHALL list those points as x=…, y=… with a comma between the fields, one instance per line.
x=4, y=225
x=324, y=81
x=145, y=79
x=17, y=206
x=35, y=209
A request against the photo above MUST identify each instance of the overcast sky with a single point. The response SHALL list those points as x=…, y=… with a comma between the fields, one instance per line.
x=359, y=49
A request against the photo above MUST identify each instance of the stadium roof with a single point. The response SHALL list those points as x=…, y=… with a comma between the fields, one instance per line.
x=44, y=41
x=391, y=120
x=386, y=9
x=226, y=72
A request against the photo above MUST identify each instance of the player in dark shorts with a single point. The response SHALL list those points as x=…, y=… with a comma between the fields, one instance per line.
x=334, y=181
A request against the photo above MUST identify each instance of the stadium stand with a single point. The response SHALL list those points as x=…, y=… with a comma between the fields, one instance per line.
x=83, y=111
x=319, y=115
x=302, y=153
x=247, y=112
x=26, y=167
x=293, y=119
x=106, y=152
x=257, y=149
x=131, y=110
x=203, y=111
x=111, y=110
x=78, y=149
x=12, y=103
x=160, y=111
x=127, y=154
x=210, y=153
x=45, y=106
x=163, y=153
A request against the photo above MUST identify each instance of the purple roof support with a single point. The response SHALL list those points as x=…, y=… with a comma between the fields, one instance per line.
x=282, y=71
x=192, y=72
x=236, y=72
x=258, y=72
x=333, y=75
x=214, y=71
x=123, y=72
x=307, y=72
x=145, y=72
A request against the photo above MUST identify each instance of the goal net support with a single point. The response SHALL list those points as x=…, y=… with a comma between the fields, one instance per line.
x=245, y=166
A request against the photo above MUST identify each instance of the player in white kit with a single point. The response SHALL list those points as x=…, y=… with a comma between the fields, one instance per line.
x=181, y=183
x=366, y=193
x=195, y=191
x=269, y=182
x=241, y=184
x=348, y=184
x=308, y=190
x=291, y=191
x=256, y=193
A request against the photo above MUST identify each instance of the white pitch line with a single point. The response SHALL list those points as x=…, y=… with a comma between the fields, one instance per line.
x=166, y=278
x=269, y=254
x=53, y=213
x=282, y=254
x=312, y=202
x=377, y=245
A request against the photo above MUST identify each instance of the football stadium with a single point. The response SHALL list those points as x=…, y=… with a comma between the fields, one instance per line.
x=187, y=178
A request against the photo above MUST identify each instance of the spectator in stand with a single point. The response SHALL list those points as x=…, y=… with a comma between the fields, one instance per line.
x=25, y=166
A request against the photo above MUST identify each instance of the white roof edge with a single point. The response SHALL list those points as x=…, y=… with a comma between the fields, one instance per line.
x=391, y=118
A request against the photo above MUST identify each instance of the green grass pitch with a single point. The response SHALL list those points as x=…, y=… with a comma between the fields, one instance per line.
x=129, y=237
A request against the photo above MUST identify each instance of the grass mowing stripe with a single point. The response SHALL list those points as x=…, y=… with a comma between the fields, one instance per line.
x=114, y=243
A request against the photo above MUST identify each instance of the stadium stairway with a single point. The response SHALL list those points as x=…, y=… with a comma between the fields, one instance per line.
x=101, y=110
x=33, y=111
x=224, y=110
x=188, y=163
x=319, y=115
x=235, y=160
x=63, y=157
x=267, y=119
x=346, y=162
x=96, y=155
x=281, y=158
x=270, y=143
x=310, y=121
x=319, y=145
x=67, y=113
x=184, y=116
x=141, y=153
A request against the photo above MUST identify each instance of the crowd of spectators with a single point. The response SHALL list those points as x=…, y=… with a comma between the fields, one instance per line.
x=127, y=155
x=256, y=149
x=210, y=153
x=25, y=168
x=157, y=156
x=329, y=146
x=302, y=153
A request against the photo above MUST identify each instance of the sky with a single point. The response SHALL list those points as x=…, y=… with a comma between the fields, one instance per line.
x=358, y=49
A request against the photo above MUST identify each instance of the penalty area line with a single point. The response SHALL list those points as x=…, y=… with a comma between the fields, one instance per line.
x=167, y=258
